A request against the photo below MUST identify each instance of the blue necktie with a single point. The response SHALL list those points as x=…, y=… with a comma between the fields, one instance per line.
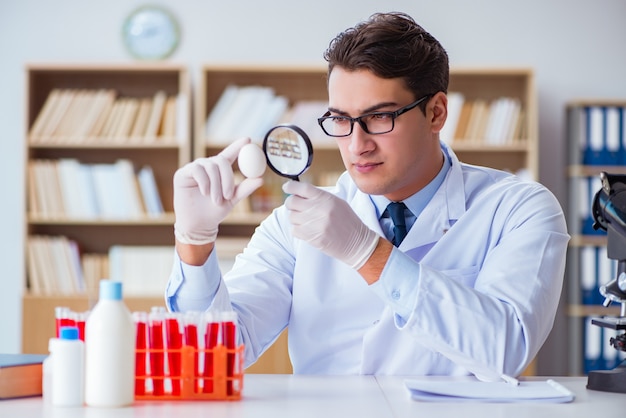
x=396, y=212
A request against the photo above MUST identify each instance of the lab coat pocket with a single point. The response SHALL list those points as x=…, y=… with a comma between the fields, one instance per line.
x=465, y=275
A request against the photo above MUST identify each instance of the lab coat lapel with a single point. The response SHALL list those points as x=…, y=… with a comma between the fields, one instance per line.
x=445, y=207
x=365, y=209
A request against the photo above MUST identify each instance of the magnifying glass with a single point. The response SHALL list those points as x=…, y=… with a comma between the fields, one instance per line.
x=288, y=151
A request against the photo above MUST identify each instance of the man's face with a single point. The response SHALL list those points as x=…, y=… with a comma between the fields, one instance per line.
x=396, y=164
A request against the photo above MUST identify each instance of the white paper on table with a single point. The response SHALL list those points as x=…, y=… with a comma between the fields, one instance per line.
x=477, y=391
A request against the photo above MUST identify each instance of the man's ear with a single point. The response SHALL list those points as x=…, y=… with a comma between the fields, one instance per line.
x=437, y=111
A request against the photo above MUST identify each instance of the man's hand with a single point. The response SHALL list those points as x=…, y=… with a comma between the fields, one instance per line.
x=205, y=192
x=329, y=224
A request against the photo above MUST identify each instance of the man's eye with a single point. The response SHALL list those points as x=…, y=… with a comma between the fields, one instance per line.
x=341, y=121
x=380, y=116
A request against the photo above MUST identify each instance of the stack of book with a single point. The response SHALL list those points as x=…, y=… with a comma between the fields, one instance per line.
x=77, y=115
x=496, y=122
x=66, y=188
x=54, y=266
x=252, y=110
x=142, y=269
x=21, y=375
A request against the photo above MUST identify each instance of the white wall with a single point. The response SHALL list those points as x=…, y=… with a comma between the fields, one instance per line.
x=575, y=46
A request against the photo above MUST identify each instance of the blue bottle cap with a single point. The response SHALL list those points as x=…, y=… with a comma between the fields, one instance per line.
x=110, y=290
x=68, y=333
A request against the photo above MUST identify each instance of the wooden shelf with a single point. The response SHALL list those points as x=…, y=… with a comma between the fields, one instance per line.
x=582, y=240
x=100, y=144
x=94, y=234
x=594, y=170
x=582, y=311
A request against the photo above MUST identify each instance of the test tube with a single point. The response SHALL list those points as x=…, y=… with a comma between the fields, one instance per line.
x=191, y=320
x=174, y=344
x=157, y=359
x=229, y=335
x=141, y=324
x=211, y=340
x=80, y=318
x=63, y=318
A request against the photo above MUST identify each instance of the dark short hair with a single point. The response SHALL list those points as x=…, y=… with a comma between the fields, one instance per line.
x=393, y=45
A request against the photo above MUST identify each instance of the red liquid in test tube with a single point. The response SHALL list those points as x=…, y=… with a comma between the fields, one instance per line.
x=63, y=318
x=174, y=350
x=141, y=323
x=157, y=358
x=229, y=332
x=211, y=339
x=191, y=340
x=80, y=319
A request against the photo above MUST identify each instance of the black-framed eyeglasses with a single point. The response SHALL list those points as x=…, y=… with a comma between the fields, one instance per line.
x=372, y=123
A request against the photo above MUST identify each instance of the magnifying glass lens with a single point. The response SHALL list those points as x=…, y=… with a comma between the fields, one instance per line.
x=288, y=151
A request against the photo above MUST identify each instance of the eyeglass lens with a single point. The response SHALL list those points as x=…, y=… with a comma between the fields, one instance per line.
x=378, y=123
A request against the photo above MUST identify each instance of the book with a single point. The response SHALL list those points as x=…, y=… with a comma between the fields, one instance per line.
x=156, y=114
x=168, y=125
x=21, y=375
x=127, y=118
x=139, y=126
x=430, y=390
x=68, y=170
x=99, y=101
x=143, y=269
x=460, y=132
x=112, y=119
x=106, y=104
x=58, y=113
x=45, y=114
x=214, y=120
x=455, y=105
x=149, y=192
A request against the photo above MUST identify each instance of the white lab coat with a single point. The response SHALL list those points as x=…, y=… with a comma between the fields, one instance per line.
x=473, y=288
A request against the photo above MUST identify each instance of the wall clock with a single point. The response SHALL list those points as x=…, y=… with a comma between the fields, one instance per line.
x=151, y=33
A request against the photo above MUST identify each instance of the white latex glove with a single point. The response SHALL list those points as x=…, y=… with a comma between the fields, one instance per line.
x=205, y=192
x=329, y=224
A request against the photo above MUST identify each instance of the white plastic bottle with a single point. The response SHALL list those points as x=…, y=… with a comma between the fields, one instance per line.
x=109, y=350
x=67, y=361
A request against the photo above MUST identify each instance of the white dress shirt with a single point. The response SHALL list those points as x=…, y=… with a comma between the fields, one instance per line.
x=473, y=288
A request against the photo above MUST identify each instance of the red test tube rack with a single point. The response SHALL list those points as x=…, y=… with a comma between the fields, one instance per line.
x=190, y=356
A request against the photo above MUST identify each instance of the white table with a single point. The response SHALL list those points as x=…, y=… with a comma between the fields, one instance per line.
x=275, y=396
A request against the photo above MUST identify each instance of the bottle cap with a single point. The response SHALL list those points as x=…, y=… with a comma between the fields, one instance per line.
x=68, y=333
x=110, y=290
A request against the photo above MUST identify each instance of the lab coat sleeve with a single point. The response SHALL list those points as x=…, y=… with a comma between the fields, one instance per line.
x=194, y=288
x=258, y=287
x=497, y=323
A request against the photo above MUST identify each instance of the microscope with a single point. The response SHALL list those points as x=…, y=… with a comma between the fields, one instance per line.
x=609, y=214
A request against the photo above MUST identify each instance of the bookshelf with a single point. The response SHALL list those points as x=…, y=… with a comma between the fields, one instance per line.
x=63, y=106
x=308, y=84
x=513, y=153
x=596, y=143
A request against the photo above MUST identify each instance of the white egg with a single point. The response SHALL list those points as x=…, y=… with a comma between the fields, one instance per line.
x=251, y=161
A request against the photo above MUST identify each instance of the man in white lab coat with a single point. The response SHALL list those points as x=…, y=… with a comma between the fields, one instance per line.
x=472, y=288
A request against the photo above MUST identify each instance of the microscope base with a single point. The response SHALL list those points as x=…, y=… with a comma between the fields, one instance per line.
x=608, y=380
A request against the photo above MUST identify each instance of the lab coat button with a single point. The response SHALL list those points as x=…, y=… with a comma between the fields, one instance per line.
x=395, y=295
